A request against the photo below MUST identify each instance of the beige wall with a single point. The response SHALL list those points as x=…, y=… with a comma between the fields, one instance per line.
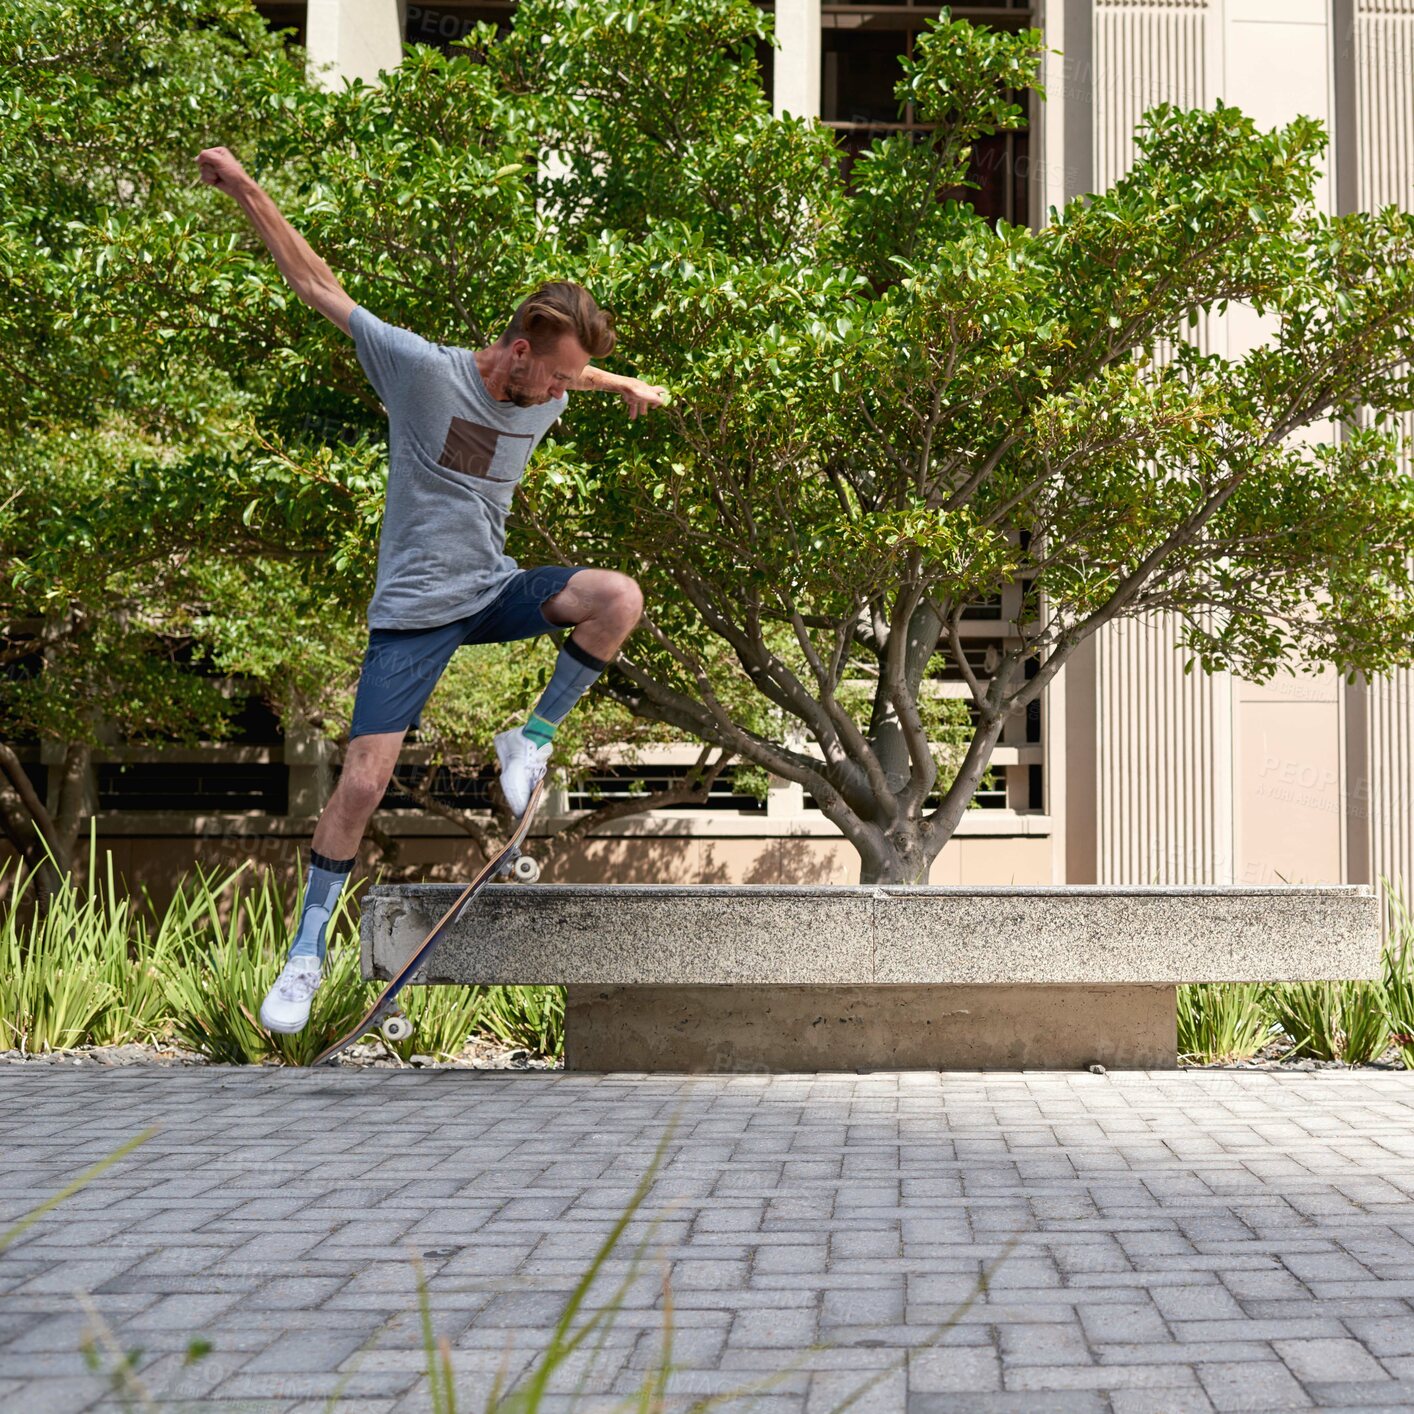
x=156, y=861
x=1291, y=780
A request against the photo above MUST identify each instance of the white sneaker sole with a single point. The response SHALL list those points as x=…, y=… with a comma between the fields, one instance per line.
x=283, y=1030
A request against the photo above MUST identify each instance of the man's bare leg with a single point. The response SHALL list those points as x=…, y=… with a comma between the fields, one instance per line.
x=368, y=767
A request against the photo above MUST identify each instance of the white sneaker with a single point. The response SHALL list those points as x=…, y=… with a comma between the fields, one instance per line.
x=286, y=1004
x=522, y=765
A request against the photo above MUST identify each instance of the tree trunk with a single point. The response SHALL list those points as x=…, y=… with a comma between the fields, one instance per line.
x=28, y=827
x=885, y=733
x=900, y=858
x=72, y=802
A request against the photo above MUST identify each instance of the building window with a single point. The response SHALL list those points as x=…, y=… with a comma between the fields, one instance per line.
x=442, y=25
x=861, y=46
x=624, y=782
x=289, y=17
x=205, y=786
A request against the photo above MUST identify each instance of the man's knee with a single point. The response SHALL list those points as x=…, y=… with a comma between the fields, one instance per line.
x=365, y=776
x=361, y=791
x=624, y=601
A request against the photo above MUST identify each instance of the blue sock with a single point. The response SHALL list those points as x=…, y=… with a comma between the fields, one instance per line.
x=575, y=671
x=326, y=881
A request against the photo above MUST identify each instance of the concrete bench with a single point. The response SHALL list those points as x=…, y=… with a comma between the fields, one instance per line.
x=785, y=978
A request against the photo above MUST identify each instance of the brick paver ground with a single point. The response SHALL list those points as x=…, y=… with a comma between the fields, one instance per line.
x=1183, y=1241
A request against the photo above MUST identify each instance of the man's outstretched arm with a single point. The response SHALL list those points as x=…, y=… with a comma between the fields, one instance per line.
x=309, y=277
x=638, y=396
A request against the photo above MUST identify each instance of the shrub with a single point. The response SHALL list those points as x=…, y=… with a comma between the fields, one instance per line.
x=1222, y=1021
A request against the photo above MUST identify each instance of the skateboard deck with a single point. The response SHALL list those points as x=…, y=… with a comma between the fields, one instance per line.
x=387, y=999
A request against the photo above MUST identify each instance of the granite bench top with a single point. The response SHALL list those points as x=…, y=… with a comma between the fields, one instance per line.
x=638, y=934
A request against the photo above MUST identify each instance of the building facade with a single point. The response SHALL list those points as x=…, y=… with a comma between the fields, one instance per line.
x=1130, y=771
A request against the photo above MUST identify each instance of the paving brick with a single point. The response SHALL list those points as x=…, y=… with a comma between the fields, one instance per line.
x=778, y=1329
x=1024, y=1402
x=1184, y=1352
x=854, y=1306
x=1132, y=1321
x=967, y=1369
x=1099, y=1377
x=67, y=1394
x=1329, y=1360
x=305, y=1351
x=1252, y=1384
x=1160, y=1401
x=790, y=1258
x=882, y=1242
x=1196, y=1303
x=1361, y=1394
x=1384, y=1335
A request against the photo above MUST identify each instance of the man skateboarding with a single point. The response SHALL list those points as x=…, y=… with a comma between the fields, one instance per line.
x=462, y=424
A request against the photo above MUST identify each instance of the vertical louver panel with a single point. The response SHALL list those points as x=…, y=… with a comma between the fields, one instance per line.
x=1145, y=54
x=1384, y=88
x=1164, y=745
x=1165, y=760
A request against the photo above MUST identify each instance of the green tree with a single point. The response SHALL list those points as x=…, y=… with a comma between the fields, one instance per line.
x=192, y=471
x=113, y=502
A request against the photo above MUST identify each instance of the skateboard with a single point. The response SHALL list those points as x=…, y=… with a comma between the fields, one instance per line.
x=384, y=1014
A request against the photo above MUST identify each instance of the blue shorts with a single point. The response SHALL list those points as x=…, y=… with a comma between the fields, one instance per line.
x=402, y=665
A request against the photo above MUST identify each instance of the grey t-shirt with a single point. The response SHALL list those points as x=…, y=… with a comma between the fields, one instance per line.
x=455, y=455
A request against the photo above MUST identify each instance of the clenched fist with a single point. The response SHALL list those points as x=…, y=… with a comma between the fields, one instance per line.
x=219, y=168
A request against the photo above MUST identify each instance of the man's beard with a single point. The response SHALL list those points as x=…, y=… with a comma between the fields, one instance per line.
x=515, y=393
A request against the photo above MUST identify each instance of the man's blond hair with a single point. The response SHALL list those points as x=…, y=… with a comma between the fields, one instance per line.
x=558, y=308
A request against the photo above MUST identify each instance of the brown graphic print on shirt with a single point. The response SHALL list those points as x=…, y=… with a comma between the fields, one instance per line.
x=471, y=448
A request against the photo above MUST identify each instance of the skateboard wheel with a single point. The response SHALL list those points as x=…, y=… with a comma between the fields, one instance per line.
x=525, y=870
x=396, y=1028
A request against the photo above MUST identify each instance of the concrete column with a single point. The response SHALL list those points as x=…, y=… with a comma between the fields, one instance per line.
x=310, y=758
x=1063, y=164
x=798, y=58
x=1375, y=96
x=785, y=800
x=353, y=39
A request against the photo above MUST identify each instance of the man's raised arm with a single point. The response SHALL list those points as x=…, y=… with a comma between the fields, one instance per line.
x=638, y=396
x=309, y=277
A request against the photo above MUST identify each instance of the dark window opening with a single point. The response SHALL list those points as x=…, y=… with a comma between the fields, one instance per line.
x=860, y=49
x=463, y=790
x=1033, y=709
x=27, y=663
x=1037, y=794
x=38, y=774
x=199, y=786
x=440, y=26
x=625, y=782
x=974, y=650
x=253, y=722
x=286, y=17
x=988, y=608
x=990, y=795
x=466, y=791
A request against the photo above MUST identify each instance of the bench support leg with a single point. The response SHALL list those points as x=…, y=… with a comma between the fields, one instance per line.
x=735, y=1029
